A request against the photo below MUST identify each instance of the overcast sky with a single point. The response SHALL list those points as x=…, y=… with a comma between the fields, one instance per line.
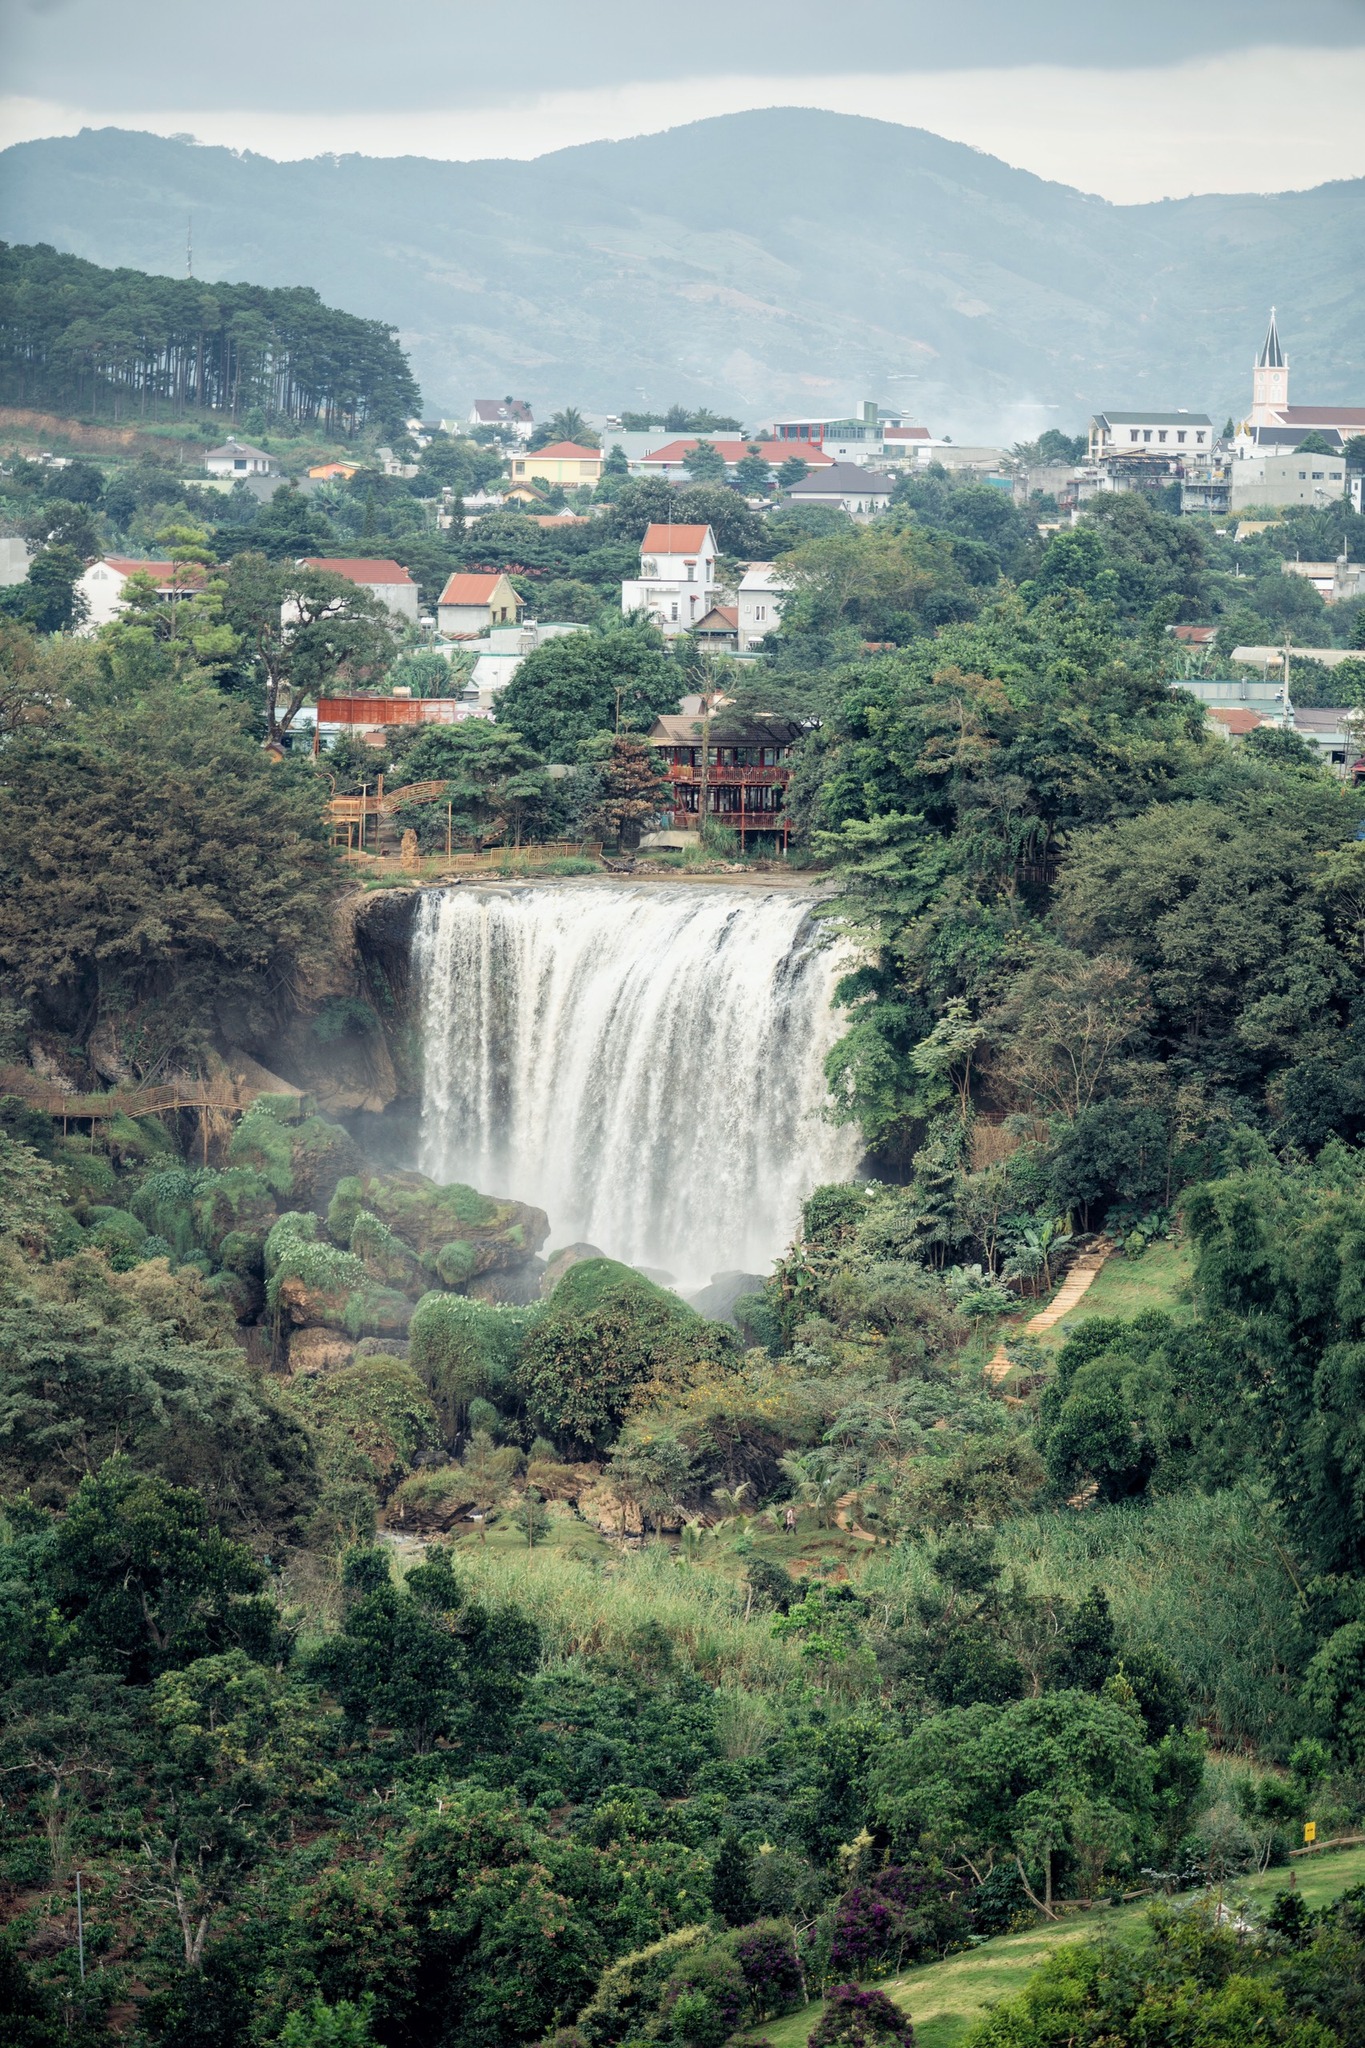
x=1131, y=100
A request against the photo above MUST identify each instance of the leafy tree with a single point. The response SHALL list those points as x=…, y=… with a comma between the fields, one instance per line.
x=305, y=631
x=732, y=1890
x=706, y=464
x=791, y=471
x=146, y=1582
x=48, y=599
x=156, y=856
x=426, y=1660
x=855, y=2017
x=605, y=1332
x=632, y=785
x=581, y=684
x=1068, y=1774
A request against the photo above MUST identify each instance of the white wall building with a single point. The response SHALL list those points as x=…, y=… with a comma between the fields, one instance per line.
x=238, y=458
x=1151, y=436
x=388, y=581
x=102, y=586
x=1277, y=480
x=761, y=596
x=677, y=581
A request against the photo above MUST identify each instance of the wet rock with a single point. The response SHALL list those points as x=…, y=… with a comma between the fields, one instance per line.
x=561, y=1262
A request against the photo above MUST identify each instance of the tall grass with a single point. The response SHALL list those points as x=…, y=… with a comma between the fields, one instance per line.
x=1204, y=1578
x=589, y=1607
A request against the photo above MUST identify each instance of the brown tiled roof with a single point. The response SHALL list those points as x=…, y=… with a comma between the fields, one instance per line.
x=470, y=588
x=673, y=540
x=359, y=568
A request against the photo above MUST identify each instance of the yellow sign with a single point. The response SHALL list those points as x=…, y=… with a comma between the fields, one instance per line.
x=1310, y=1831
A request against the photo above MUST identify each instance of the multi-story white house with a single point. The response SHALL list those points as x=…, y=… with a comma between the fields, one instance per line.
x=761, y=596
x=677, y=581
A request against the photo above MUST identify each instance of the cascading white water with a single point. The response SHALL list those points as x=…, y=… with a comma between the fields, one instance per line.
x=645, y=1061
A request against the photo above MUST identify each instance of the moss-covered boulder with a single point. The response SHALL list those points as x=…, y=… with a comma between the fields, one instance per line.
x=456, y=1232
x=311, y=1284
x=466, y=1350
x=301, y=1158
x=605, y=1336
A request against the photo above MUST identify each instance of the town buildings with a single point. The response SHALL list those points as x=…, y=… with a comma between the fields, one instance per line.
x=739, y=780
x=511, y=416
x=672, y=459
x=563, y=462
x=677, y=583
x=386, y=580
x=869, y=436
x=845, y=487
x=238, y=459
x=474, y=602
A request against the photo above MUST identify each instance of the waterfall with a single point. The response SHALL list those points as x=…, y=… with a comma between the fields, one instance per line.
x=642, y=1060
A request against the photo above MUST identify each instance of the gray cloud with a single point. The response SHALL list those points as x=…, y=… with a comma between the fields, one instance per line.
x=426, y=53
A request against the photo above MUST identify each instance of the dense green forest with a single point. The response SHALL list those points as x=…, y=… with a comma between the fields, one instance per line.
x=121, y=344
x=401, y=1653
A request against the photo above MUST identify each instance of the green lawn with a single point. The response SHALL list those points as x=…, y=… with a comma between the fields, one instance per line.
x=945, y=1999
x=1124, y=1287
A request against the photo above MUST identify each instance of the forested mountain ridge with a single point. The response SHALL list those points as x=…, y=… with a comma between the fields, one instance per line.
x=780, y=258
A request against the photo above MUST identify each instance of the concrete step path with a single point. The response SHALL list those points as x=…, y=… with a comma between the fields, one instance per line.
x=1076, y=1284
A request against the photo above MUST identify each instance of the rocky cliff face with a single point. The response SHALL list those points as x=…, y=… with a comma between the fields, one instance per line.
x=349, y=1041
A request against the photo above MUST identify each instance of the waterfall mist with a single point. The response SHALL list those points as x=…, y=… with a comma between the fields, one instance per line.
x=645, y=1061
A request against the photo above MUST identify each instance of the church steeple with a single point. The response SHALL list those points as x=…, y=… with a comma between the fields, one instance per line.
x=1270, y=380
x=1272, y=355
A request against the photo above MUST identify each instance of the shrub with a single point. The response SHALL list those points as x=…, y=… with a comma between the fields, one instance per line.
x=766, y=1955
x=854, y=2018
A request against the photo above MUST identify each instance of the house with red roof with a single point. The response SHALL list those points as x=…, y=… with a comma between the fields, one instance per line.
x=388, y=581
x=476, y=601
x=672, y=459
x=677, y=584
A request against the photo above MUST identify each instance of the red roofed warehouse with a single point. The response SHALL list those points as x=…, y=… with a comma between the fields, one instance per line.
x=388, y=581
x=474, y=603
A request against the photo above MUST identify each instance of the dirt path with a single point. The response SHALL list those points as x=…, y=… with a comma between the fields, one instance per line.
x=1075, y=1285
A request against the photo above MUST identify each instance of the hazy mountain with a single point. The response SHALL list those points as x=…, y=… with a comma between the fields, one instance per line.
x=789, y=258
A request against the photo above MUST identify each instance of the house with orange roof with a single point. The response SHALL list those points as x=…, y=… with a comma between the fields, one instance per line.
x=388, y=581
x=331, y=472
x=677, y=584
x=672, y=459
x=476, y=601
x=563, y=462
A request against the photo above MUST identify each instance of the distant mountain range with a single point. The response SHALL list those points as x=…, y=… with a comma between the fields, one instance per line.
x=786, y=260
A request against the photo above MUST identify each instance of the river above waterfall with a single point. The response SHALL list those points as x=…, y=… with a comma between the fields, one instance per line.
x=643, y=1060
